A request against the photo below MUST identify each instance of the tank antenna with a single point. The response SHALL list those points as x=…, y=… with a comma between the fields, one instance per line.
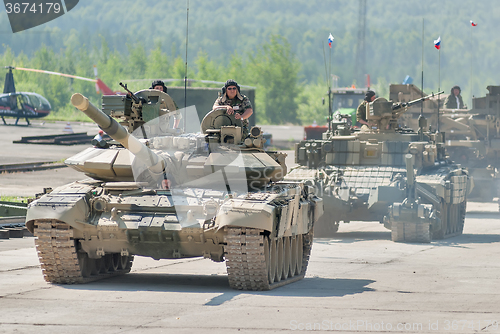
x=420, y=119
x=186, y=68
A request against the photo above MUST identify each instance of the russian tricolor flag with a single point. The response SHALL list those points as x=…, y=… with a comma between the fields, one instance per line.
x=437, y=43
x=472, y=23
x=330, y=40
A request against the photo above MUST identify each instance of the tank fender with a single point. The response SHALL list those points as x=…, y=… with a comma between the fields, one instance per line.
x=242, y=213
x=72, y=210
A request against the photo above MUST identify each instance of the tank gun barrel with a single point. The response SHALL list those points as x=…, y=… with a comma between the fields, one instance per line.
x=119, y=133
x=410, y=103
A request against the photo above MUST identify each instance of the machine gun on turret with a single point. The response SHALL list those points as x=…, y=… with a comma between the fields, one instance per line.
x=385, y=114
x=135, y=109
x=406, y=105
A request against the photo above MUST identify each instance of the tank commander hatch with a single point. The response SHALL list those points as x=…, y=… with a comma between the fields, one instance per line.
x=235, y=103
x=160, y=85
x=361, y=111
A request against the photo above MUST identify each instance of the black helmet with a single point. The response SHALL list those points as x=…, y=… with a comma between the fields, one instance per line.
x=369, y=94
x=158, y=83
x=230, y=82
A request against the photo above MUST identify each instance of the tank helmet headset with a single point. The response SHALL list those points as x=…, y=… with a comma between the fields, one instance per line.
x=456, y=87
x=368, y=96
x=229, y=83
x=158, y=83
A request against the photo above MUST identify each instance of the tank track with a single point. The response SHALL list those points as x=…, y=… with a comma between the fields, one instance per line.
x=411, y=232
x=452, y=220
x=61, y=261
x=256, y=262
x=452, y=224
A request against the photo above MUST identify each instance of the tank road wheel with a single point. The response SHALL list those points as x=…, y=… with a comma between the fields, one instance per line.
x=307, y=241
x=273, y=257
x=61, y=259
x=254, y=262
x=95, y=267
x=294, y=257
x=85, y=264
x=300, y=253
x=115, y=261
x=280, y=260
x=287, y=257
x=325, y=228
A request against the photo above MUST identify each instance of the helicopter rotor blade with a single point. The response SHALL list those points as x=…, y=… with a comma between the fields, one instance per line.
x=54, y=73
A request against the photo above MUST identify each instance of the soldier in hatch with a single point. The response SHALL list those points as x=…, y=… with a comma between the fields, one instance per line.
x=454, y=100
x=361, y=111
x=160, y=85
x=235, y=103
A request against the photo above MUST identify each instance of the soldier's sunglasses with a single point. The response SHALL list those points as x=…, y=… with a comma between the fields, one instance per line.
x=231, y=88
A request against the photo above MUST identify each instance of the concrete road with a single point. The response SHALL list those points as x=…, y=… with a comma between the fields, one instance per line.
x=359, y=281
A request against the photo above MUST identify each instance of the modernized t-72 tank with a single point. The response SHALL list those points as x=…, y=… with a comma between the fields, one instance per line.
x=165, y=193
x=387, y=174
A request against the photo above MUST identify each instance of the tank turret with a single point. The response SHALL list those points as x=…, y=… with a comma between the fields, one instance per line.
x=159, y=191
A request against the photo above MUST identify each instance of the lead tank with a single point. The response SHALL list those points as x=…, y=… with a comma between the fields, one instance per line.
x=392, y=175
x=160, y=192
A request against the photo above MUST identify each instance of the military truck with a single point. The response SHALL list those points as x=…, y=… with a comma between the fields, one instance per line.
x=344, y=101
x=385, y=173
x=165, y=193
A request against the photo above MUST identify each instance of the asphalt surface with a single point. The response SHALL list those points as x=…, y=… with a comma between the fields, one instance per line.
x=357, y=281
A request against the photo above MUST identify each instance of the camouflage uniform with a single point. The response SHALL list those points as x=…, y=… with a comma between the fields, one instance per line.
x=240, y=103
x=361, y=112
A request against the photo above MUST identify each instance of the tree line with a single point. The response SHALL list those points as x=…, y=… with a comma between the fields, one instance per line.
x=273, y=70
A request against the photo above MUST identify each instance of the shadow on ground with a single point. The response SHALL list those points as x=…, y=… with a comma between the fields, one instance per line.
x=159, y=282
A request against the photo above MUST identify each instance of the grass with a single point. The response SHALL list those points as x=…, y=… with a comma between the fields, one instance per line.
x=16, y=199
x=68, y=116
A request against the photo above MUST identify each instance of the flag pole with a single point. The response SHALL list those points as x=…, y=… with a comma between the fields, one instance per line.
x=470, y=83
x=329, y=87
x=439, y=85
x=422, y=105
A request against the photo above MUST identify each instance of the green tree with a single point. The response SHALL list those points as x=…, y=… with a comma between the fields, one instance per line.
x=275, y=69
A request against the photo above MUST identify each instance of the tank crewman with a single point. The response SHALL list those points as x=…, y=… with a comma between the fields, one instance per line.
x=160, y=85
x=361, y=111
x=235, y=103
x=454, y=100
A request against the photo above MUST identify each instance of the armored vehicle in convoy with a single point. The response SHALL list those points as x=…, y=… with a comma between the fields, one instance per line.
x=168, y=193
x=385, y=173
x=472, y=136
x=473, y=140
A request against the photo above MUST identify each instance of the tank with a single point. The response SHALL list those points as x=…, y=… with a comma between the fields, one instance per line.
x=388, y=174
x=473, y=139
x=170, y=193
x=472, y=136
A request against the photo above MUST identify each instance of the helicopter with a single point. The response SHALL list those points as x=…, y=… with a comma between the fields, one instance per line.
x=32, y=105
x=21, y=104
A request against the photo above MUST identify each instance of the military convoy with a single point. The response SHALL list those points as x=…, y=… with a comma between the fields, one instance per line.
x=472, y=136
x=167, y=193
x=386, y=173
